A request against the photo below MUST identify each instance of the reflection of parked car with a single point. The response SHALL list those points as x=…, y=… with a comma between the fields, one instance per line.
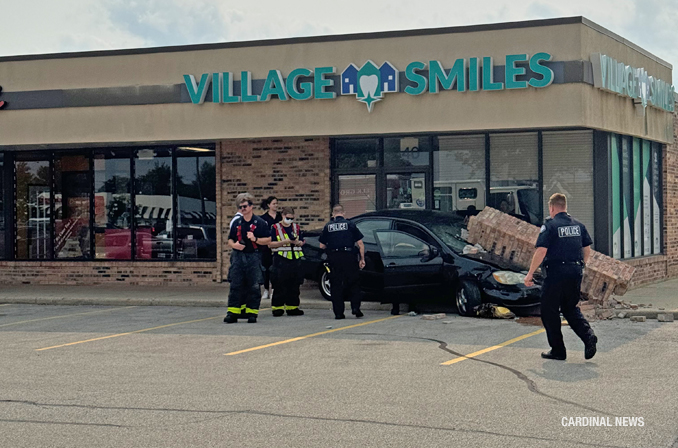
x=192, y=242
x=418, y=254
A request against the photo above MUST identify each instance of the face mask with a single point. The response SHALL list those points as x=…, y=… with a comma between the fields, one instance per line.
x=287, y=222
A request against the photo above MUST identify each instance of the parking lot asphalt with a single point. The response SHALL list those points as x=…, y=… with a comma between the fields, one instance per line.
x=131, y=376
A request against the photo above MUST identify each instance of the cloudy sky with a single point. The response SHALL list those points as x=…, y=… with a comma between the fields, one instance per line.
x=49, y=26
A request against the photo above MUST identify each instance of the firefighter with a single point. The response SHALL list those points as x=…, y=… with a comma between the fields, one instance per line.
x=286, y=272
x=247, y=235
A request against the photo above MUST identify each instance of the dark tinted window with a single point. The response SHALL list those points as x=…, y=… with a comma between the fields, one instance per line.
x=368, y=226
x=415, y=231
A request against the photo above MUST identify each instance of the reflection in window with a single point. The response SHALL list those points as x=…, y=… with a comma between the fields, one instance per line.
x=71, y=210
x=459, y=173
x=514, y=175
x=368, y=226
x=406, y=151
x=112, y=205
x=153, y=212
x=356, y=153
x=33, y=203
x=401, y=245
x=357, y=194
x=3, y=253
x=406, y=191
x=196, y=202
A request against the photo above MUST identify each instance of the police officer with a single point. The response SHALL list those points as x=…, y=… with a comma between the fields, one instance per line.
x=339, y=237
x=247, y=234
x=564, y=245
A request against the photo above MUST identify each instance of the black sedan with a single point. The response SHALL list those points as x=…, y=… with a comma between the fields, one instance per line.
x=417, y=255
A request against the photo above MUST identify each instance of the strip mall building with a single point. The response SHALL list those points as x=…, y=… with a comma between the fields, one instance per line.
x=123, y=166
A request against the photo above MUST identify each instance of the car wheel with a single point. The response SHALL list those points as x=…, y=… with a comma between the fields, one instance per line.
x=324, y=284
x=467, y=298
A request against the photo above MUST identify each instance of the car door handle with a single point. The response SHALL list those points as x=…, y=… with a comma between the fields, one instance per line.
x=392, y=264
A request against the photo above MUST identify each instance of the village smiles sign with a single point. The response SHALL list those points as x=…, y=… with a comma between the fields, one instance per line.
x=370, y=82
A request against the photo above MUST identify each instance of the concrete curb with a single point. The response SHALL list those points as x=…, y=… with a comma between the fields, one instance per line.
x=648, y=313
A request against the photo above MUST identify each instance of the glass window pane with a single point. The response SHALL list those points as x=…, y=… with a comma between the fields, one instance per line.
x=356, y=153
x=368, y=227
x=400, y=245
x=406, y=190
x=71, y=196
x=459, y=173
x=196, y=202
x=112, y=205
x=656, y=198
x=3, y=252
x=514, y=160
x=647, y=198
x=615, y=151
x=153, y=213
x=568, y=169
x=357, y=194
x=33, y=201
x=406, y=151
x=626, y=195
x=636, y=212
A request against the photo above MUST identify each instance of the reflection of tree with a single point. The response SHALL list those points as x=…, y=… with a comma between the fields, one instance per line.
x=204, y=186
x=115, y=184
x=156, y=181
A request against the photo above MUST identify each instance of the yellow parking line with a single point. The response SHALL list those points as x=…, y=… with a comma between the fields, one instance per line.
x=5, y=304
x=494, y=347
x=286, y=341
x=131, y=332
x=65, y=315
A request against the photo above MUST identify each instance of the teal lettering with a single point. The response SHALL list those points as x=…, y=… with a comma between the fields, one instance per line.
x=540, y=69
x=197, y=92
x=246, y=88
x=227, y=89
x=512, y=71
x=437, y=75
x=306, y=87
x=216, y=85
x=319, y=83
x=274, y=85
x=419, y=80
x=488, y=75
x=473, y=75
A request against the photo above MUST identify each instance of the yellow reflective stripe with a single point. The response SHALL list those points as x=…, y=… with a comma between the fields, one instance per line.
x=233, y=310
x=291, y=307
x=242, y=307
x=251, y=311
x=277, y=308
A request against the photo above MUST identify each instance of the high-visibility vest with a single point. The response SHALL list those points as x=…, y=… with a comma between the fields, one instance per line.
x=289, y=252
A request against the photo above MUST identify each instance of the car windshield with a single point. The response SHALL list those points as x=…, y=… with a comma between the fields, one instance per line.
x=449, y=230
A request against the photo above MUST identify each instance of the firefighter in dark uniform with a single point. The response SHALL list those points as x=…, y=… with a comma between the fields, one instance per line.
x=340, y=237
x=564, y=245
x=286, y=271
x=247, y=234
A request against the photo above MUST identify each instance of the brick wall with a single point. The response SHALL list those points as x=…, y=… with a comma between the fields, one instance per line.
x=95, y=273
x=295, y=170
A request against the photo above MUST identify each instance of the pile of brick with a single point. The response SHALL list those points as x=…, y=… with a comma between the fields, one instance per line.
x=514, y=240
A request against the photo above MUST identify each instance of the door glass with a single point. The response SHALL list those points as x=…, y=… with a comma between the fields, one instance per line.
x=356, y=153
x=368, y=226
x=71, y=195
x=406, y=151
x=459, y=173
x=153, y=213
x=400, y=245
x=406, y=190
x=112, y=205
x=416, y=232
x=33, y=203
x=357, y=193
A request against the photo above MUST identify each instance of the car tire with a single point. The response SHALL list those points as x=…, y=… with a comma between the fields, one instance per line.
x=324, y=284
x=467, y=298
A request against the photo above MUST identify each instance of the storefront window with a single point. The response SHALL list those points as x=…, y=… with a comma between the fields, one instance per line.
x=33, y=207
x=459, y=173
x=2, y=206
x=514, y=175
x=406, y=191
x=356, y=153
x=71, y=206
x=112, y=205
x=153, y=208
x=196, y=202
x=568, y=169
x=357, y=193
x=406, y=151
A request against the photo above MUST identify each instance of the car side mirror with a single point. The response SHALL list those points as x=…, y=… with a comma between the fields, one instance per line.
x=430, y=254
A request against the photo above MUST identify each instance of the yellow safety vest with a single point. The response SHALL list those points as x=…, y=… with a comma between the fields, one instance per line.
x=289, y=252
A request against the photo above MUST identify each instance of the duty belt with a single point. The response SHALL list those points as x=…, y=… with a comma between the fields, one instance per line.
x=554, y=263
x=342, y=249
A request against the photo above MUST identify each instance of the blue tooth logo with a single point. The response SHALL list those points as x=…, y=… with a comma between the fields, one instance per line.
x=369, y=83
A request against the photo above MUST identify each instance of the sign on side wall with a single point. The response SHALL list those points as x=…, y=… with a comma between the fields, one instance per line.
x=371, y=82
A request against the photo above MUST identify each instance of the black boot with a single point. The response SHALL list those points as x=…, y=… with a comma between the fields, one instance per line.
x=358, y=313
x=231, y=319
x=590, y=347
x=252, y=320
x=295, y=312
x=550, y=355
x=278, y=313
x=340, y=316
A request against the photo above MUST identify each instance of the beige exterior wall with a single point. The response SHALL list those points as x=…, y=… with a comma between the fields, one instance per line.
x=557, y=106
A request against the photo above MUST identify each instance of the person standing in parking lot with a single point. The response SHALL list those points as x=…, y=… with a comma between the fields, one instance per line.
x=272, y=216
x=286, y=273
x=564, y=245
x=246, y=236
x=340, y=237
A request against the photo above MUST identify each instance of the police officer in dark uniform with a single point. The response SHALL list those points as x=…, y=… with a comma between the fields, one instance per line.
x=339, y=237
x=564, y=245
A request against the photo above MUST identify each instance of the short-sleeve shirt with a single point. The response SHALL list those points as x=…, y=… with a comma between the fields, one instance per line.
x=563, y=237
x=339, y=234
x=270, y=220
x=239, y=230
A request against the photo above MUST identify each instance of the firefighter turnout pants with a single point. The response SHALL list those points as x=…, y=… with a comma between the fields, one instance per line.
x=286, y=276
x=245, y=275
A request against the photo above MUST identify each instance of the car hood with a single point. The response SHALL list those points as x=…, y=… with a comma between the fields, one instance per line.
x=494, y=261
